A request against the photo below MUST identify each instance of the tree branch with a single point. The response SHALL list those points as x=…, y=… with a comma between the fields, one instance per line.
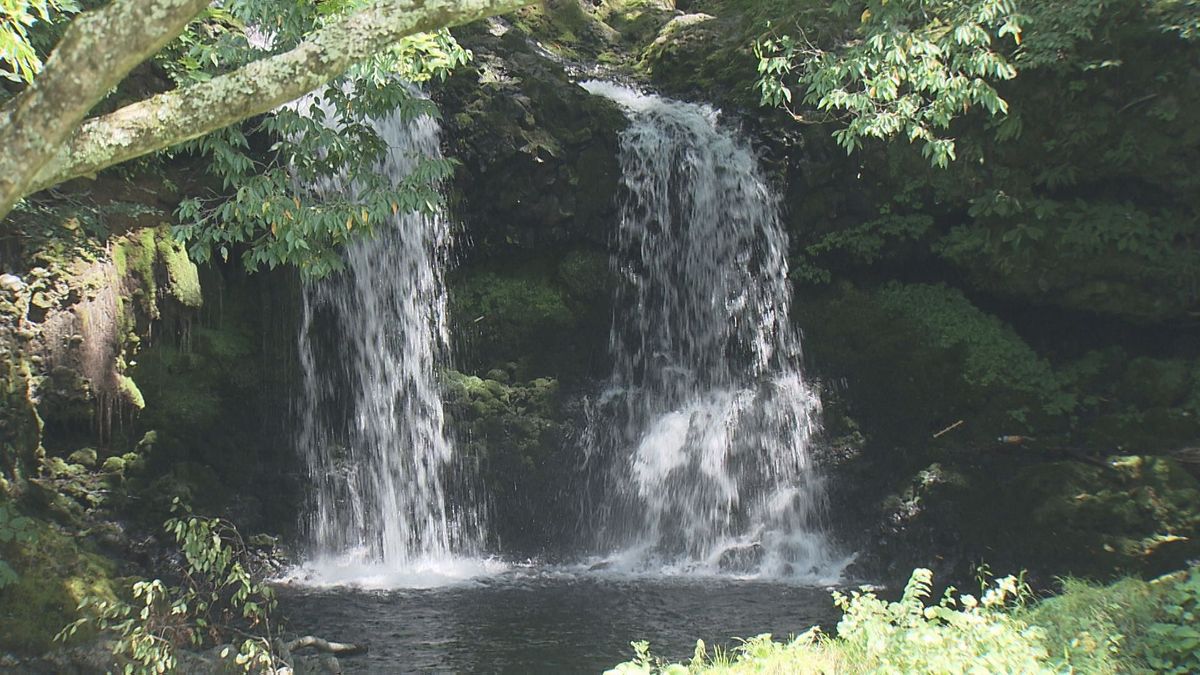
x=183, y=114
x=326, y=646
x=97, y=52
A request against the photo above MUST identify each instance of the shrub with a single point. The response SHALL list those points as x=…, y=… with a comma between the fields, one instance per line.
x=1172, y=645
x=216, y=600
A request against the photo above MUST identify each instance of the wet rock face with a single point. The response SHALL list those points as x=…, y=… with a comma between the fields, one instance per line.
x=539, y=154
x=741, y=559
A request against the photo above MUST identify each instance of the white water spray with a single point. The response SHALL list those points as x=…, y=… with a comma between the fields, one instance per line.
x=704, y=433
x=372, y=425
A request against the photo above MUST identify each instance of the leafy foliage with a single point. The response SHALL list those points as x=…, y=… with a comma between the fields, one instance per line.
x=265, y=203
x=956, y=635
x=271, y=169
x=216, y=600
x=20, y=57
x=1173, y=643
x=994, y=355
x=1129, y=626
x=1094, y=628
x=953, y=636
x=909, y=69
x=1078, y=193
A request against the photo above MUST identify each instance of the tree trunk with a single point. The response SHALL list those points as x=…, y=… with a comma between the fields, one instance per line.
x=191, y=112
x=97, y=52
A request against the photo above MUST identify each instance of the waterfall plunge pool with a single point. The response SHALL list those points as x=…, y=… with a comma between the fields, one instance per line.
x=530, y=619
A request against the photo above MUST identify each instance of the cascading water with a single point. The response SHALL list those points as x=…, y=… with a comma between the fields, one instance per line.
x=372, y=426
x=705, y=429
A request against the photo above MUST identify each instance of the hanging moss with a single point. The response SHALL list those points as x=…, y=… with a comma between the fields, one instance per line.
x=138, y=257
x=183, y=279
x=135, y=257
x=130, y=394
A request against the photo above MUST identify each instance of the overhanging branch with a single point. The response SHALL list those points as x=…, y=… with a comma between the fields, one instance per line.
x=97, y=51
x=183, y=114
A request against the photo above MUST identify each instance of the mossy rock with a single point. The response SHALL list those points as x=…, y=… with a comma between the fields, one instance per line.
x=586, y=275
x=55, y=572
x=637, y=21
x=85, y=457
x=539, y=154
x=183, y=278
x=515, y=433
x=512, y=316
x=151, y=255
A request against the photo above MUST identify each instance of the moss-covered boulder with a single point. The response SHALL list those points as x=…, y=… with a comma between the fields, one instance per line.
x=54, y=571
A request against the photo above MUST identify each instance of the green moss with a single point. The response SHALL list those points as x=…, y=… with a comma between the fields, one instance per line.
x=586, y=276
x=139, y=257
x=638, y=21
x=114, y=465
x=565, y=28
x=85, y=457
x=183, y=279
x=512, y=315
x=55, y=573
x=129, y=392
x=513, y=432
x=993, y=355
x=187, y=390
x=224, y=344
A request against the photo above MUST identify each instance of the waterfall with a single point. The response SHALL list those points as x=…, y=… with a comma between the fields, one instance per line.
x=703, y=435
x=372, y=426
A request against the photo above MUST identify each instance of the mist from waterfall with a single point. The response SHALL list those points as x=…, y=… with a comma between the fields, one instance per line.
x=389, y=503
x=701, y=440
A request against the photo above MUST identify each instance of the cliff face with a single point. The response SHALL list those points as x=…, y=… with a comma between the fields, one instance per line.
x=130, y=378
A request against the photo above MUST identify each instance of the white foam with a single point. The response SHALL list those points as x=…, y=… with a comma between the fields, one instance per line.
x=356, y=570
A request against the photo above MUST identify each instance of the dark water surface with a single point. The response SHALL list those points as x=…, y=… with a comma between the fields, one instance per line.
x=546, y=622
